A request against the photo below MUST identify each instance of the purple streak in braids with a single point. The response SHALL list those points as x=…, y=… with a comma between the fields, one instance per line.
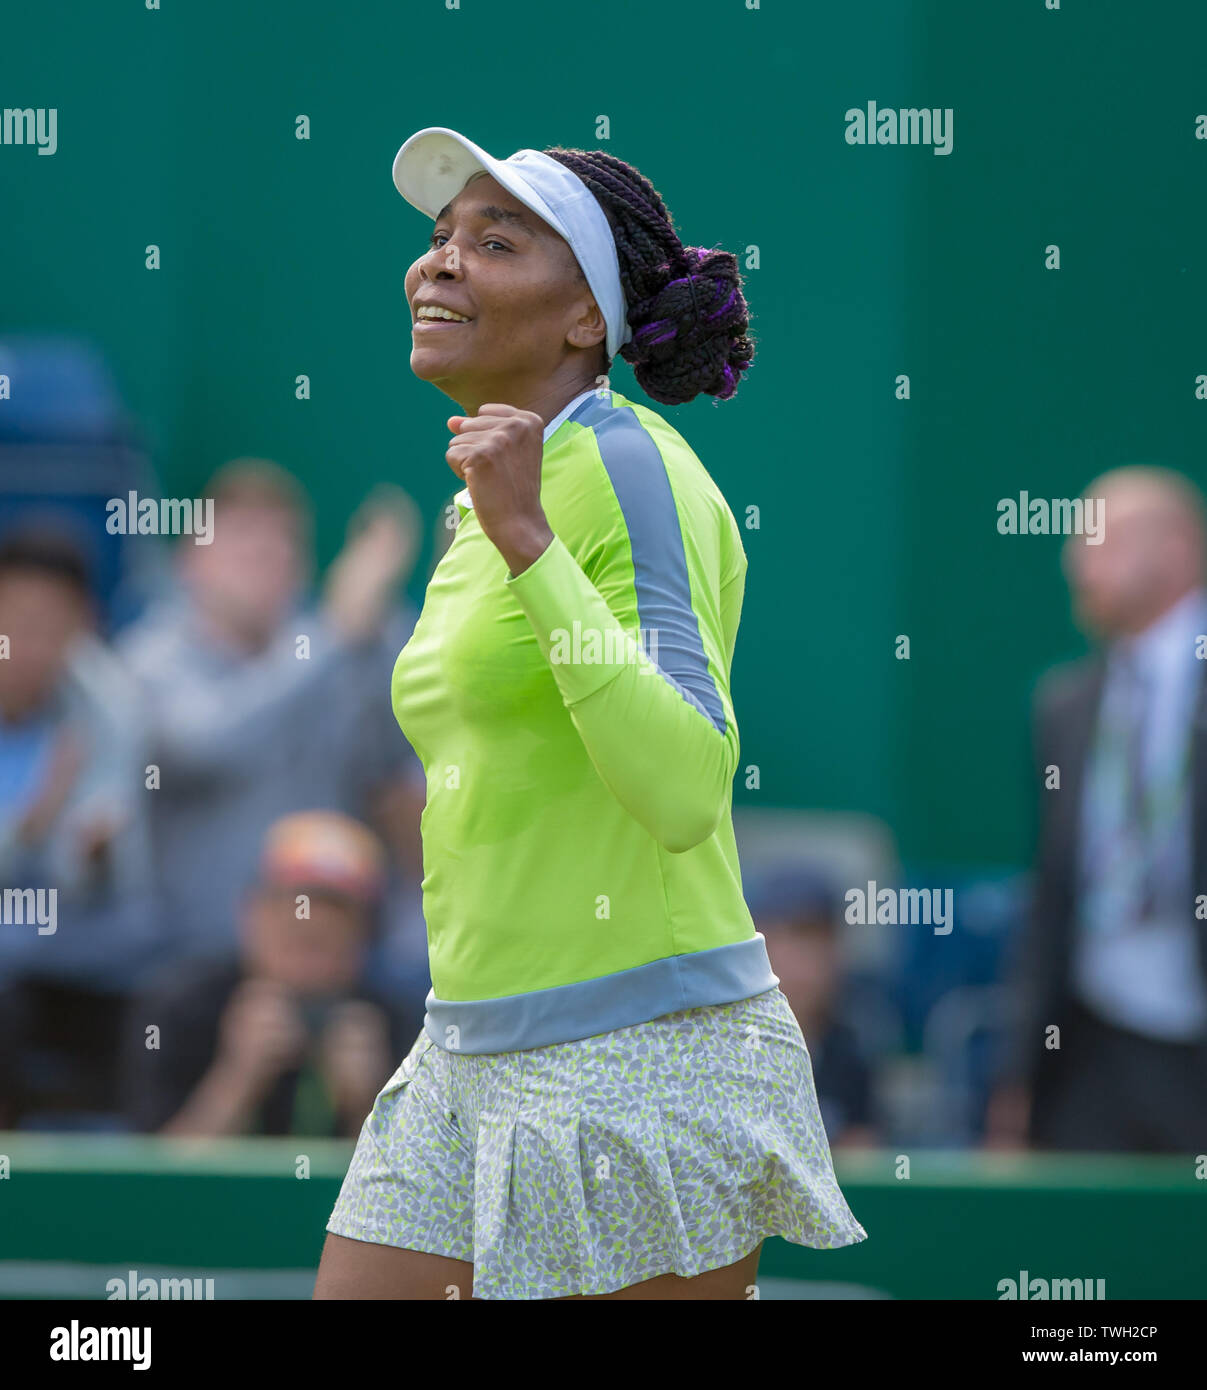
x=678, y=351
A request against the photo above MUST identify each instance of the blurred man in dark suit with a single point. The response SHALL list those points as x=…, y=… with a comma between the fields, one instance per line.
x=1111, y=1048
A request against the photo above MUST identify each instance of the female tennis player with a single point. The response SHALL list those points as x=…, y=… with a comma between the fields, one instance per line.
x=610, y=1097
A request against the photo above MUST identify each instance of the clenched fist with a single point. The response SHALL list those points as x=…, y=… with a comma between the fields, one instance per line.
x=497, y=454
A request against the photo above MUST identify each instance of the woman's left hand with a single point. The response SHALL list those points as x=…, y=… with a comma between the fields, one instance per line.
x=497, y=454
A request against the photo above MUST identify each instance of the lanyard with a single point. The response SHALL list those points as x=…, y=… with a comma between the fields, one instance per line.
x=1162, y=793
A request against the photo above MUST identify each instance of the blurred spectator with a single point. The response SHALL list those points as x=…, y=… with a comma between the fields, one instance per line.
x=257, y=708
x=1115, y=956
x=798, y=911
x=72, y=824
x=278, y=1037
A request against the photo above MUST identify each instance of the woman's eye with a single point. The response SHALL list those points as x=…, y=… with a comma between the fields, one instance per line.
x=435, y=238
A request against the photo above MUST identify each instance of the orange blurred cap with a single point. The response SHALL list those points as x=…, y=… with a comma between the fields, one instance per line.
x=324, y=850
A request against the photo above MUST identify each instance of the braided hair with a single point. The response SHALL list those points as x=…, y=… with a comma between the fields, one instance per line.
x=685, y=303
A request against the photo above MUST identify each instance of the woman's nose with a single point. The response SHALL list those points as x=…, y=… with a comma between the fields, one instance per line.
x=442, y=258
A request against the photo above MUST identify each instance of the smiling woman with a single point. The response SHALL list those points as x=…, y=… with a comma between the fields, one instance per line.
x=610, y=1097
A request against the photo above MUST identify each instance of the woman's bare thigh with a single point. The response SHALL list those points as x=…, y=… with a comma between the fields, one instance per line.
x=732, y=1282
x=359, y=1269
x=363, y=1270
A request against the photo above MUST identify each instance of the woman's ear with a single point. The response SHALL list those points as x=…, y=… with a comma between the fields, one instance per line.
x=589, y=329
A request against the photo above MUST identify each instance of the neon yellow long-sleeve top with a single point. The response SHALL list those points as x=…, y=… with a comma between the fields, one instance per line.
x=578, y=737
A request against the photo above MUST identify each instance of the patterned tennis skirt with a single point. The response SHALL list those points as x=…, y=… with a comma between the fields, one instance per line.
x=672, y=1147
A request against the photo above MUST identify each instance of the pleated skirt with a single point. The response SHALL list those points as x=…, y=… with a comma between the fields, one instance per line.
x=674, y=1146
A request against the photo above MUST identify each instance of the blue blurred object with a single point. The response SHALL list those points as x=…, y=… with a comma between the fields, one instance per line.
x=962, y=1039
x=789, y=891
x=987, y=910
x=61, y=392
x=68, y=446
x=951, y=994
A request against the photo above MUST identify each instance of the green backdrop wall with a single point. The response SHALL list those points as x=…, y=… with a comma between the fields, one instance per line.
x=1073, y=127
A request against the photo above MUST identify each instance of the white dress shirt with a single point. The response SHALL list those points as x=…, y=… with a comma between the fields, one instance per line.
x=1147, y=976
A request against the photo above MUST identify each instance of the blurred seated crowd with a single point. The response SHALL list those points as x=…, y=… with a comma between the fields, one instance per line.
x=154, y=778
x=212, y=782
